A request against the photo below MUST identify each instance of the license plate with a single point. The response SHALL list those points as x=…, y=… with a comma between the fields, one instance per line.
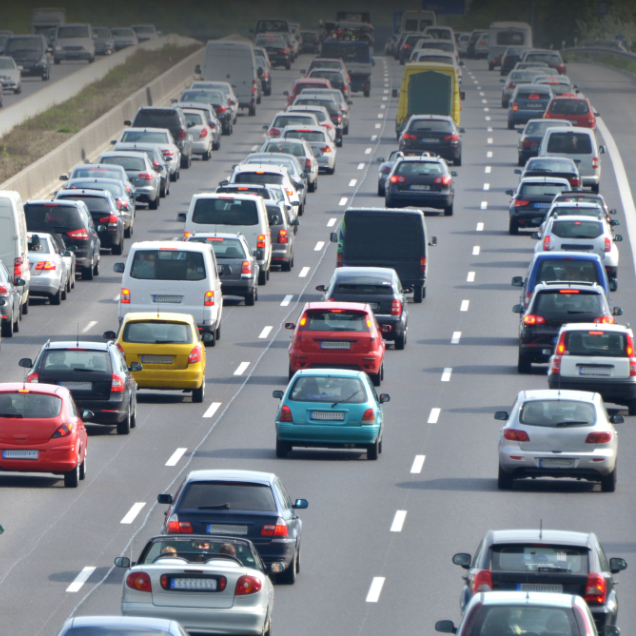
x=327, y=416
x=157, y=359
x=196, y=585
x=542, y=205
x=420, y=187
x=430, y=140
x=540, y=587
x=226, y=529
x=535, y=105
x=77, y=386
x=374, y=306
x=331, y=344
x=167, y=299
x=556, y=463
x=20, y=454
x=597, y=371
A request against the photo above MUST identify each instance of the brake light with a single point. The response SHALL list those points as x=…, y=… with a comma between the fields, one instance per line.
x=167, y=153
x=515, y=435
x=195, y=355
x=118, y=384
x=338, y=119
x=45, y=265
x=286, y=414
x=396, y=308
x=594, y=163
x=178, y=527
x=208, y=299
x=511, y=85
x=608, y=244
x=555, y=365
x=139, y=581
x=63, y=431
x=546, y=243
x=273, y=132
x=443, y=180
x=591, y=120
x=482, y=581
x=407, y=135
x=124, y=296
x=78, y=234
x=34, y=378
x=203, y=133
x=595, y=589
x=17, y=267
x=527, y=143
x=284, y=51
x=145, y=176
x=339, y=259
x=575, y=182
x=247, y=585
x=532, y=319
x=604, y=320
x=181, y=133
x=422, y=263
x=520, y=203
x=560, y=349
x=278, y=530
x=260, y=241
x=325, y=149
x=452, y=137
x=307, y=163
x=368, y=417
x=599, y=438
x=396, y=179
x=123, y=353
x=111, y=219
x=515, y=106
x=282, y=236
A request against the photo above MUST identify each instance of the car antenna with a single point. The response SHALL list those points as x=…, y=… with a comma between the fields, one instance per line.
x=77, y=343
x=540, y=528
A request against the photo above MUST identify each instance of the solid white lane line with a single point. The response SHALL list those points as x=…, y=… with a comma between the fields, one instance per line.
x=332, y=221
x=214, y=407
x=352, y=183
x=471, y=277
x=418, y=464
x=489, y=140
x=240, y=370
x=446, y=376
x=319, y=246
x=486, y=186
x=434, y=414
x=176, y=456
x=488, y=169
x=480, y=227
x=377, y=126
x=368, y=151
x=89, y=326
x=133, y=512
x=476, y=250
x=464, y=305
x=361, y=166
x=343, y=201
x=303, y=272
x=266, y=331
x=456, y=336
x=489, y=154
x=484, y=205
x=398, y=521
x=82, y=577
x=286, y=300
x=375, y=590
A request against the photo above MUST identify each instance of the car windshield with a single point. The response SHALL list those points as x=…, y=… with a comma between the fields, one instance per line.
x=225, y=211
x=597, y=343
x=158, y=332
x=6, y=63
x=123, y=32
x=227, y=495
x=569, y=107
x=557, y=413
x=570, y=143
x=134, y=164
x=567, y=305
x=65, y=32
x=307, y=135
x=115, y=630
x=57, y=360
x=541, y=189
x=223, y=247
x=328, y=389
x=530, y=618
x=168, y=264
x=577, y=229
x=94, y=204
x=23, y=45
x=26, y=405
x=568, y=269
x=335, y=320
x=538, y=128
x=134, y=136
x=537, y=558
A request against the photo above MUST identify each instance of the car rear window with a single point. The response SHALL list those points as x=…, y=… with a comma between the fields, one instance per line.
x=419, y=168
x=134, y=164
x=228, y=495
x=430, y=125
x=524, y=619
x=147, y=137
x=539, y=559
x=570, y=143
x=435, y=59
x=510, y=38
x=548, y=58
x=23, y=44
x=577, y=229
x=52, y=217
x=258, y=177
x=193, y=119
x=328, y=389
x=205, y=96
x=307, y=135
x=114, y=188
x=225, y=211
x=96, y=173
x=336, y=320
x=557, y=413
x=365, y=286
x=293, y=120
x=568, y=270
x=563, y=211
x=329, y=104
x=274, y=215
x=158, y=332
x=297, y=150
x=596, y=343
x=72, y=32
x=533, y=94
x=159, y=118
x=168, y=264
x=29, y=405
x=75, y=360
x=569, y=106
x=261, y=192
x=541, y=189
x=116, y=630
x=553, y=164
x=565, y=304
x=223, y=247
x=539, y=127
x=94, y=204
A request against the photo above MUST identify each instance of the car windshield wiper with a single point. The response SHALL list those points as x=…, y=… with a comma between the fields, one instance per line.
x=167, y=342
x=11, y=415
x=225, y=506
x=346, y=399
x=573, y=423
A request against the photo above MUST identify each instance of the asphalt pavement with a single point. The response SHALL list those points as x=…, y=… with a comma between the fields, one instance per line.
x=378, y=536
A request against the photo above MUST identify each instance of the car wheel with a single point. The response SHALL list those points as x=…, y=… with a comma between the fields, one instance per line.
x=523, y=364
x=173, y=176
x=216, y=145
x=631, y=407
x=258, y=100
x=290, y=372
x=282, y=449
x=285, y=266
x=513, y=227
x=250, y=298
x=520, y=161
x=252, y=111
x=449, y=210
x=206, y=155
x=197, y=394
x=367, y=93
x=71, y=479
x=458, y=160
x=217, y=333
x=345, y=130
x=25, y=307
x=288, y=577
x=338, y=142
x=400, y=341
x=118, y=249
x=373, y=450
x=123, y=428
x=511, y=125
x=82, y=470
x=56, y=299
x=418, y=294
x=68, y=285
x=133, y=416
x=63, y=291
x=312, y=186
x=7, y=329
x=596, y=188
x=262, y=277
x=153, y=205
x=491, y=67
x=96, y=269
x=504, y=480
x=288, y=65
x=377, y=378
x=18, y=90
x=608, y=483
x=210, y=343
x=381, y=191
x=87, y=272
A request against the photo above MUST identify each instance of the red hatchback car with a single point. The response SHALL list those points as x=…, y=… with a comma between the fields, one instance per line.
x=41, y=431
x=305, y=82
x=578, y=110
x=337, y=335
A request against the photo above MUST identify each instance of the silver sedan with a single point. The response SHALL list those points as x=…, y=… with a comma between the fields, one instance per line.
x=120, y=626
x=49, y=271
x=551, y=433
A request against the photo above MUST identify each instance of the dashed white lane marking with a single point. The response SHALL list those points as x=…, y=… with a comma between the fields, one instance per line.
x=471, y=277
x=82, y=577
x=455, y=337
x=377, y=126
x=488, y=118
x=286, y=300
x=133, y=512
x=484, y=205
x=418, y=464
x=486, y=186
x=331, y=222
x=488, y=169
x=361, y=166
x=352, y=183
x=434, y=414
x=343, y=201
x=303, y=272
x=489, y=154
x=380, y=115
x=214, y=407
x=254, y=148
x=481, y=93
x=368, y=151
x=398, y=521
x=489, y=140
x=240, y=370
x=266, y=331
x=476, y=250
x=381, y=106
x=384, y=99
x=484, y=101
x=176, y=456
x=478, y=88
x=319, y=246
x=374, y=137
x=486, y=109
x=475, y=81
x=375, y=590
x=489, y=129
x=464, y=305
x=480, y=227
x=89, y=326
x=386, y=92
x=116, y=299
x=446, y=376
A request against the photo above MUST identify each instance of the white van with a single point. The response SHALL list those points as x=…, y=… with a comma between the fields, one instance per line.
x=233, y=62
x=578, y=144
x=505, y=34
x=244, y=213
x=414, y=21
x=14, y=245
x=173, y=276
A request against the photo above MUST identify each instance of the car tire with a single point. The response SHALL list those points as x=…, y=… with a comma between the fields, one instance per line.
x=312, y=186
x=449, y=210
x=513, y=228
x=345, y=130
x=128, y=232
x=282, y=449
x=56, y=299
x=25, y=307
x=596, y=187
x=377, y=378
x=286, y=266
x=338, y=142
x=608, y=483
x=64, y=291
x=216, y=145
x=87, y=272
x=381, y=191
x=491, y=67
x=72, y=477
x=458, y=160
x=288, y=66
x=197, y=394
x=262, y=277
x=520, y=161
x=288, y=577
x=133, y=416
x=511, y=125
x=251, y=111
x=418, y=294
x=258, y=100
x=96, y=269
x=523, y=364
x=69, y=286
x=117, y=249
x=123, y=428
x=206, y=155
x=217, y=333
x=18, y=90
x=56, y=61
x=82, y=470
x=631, y=407
x=367, y=93
x=173, y=176
x=504, y=480
x=400, y=341
x=154, y=205
x=373, y=450
x=7, y=329
x=250, y=298
x=290, y=372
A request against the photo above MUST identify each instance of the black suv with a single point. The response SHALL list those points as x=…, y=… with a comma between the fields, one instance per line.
x=553, y=304
x=97, y=376
x=173, y=120
x=435, y=134
x=545, y=561
x=72, y=220
x=30, y=52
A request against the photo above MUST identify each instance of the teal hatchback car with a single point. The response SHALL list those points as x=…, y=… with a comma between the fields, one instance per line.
x=330, y=408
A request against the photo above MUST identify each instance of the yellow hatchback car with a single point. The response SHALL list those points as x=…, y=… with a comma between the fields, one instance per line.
x=169, y=347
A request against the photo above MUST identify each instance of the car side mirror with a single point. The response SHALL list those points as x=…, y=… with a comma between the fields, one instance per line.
x=502, y=81
x=394, y=92
x=224, y=183
x=19, y=282
x=63, y=177
x=446, y=627
x=596, y=114
x=613, y=284
x=520, y=131
x=461, y=63
x=462, y=559
x=517, y=171
x=510, y=193
x=109, y=335
x=350, y=102
x=617, y=311
x=300, y=504
x=616, y=419
x=454, y=173
x=26, y=363
x=135, y=366
x=601, y=150
x=278, y=394
x=517, y=309
x=384, y=397
x=67, y=253
x=290, y=325
x=333, y=237
x=617, y=565
x=71, y=248
x=101, y=228
x=295, y=222
x=618, y=238
x=3, y=302
x=380, y=160
x=122, y=562
x=502, y=416
x=127, y=122
x=517, y=281
x=265, y=127
x=433, y=241
x=321, y=288
x=611, y=630
x=276, y=567
x=119, y=268
x=197, y=69
x=614, y=222
x=87, y=416
x=462, y=130
x=113, y=142
x=207, y=337
x=462, y=95
x=165, y=498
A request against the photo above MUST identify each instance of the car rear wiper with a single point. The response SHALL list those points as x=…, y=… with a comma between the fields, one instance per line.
x=552, y=568
x=346, y=399
x=87, y=370
x=225, y=506
x=572, y=423
x=572, y=311
x=11, y=415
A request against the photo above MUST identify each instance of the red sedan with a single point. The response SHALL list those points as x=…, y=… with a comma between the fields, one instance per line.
x=306, y=82
x=41, y=431
x=337, y=335
x=578, y=110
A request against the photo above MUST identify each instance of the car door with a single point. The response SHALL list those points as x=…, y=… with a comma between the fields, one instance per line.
x=288, y=512
x=119, y=363
x=61, y=262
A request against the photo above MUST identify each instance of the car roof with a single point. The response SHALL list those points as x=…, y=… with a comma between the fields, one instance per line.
x=305, y=128
x=559, y=284
x=569, y=204
x=159, y=315
x=77, y=344
x=336, y=305
x=102, y=194
x=332, y=373
x=168, y=245
x=525, y=598
x=541, y=536
x=593, y=326
x=145, y=129
x=576, y=256
x=557, y=394
x=50, y=389
x=557, y=180
x=95, y=180
x=251, y=476
x=381, y=273
x=268, y=167
x=576, y=218
x=121, y=621
x=55, y=203
x=122, y=153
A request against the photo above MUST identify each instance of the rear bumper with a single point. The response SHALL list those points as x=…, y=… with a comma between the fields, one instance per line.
x=615, y=391
x=73, y=55
x=200, y=147
x=322, y=436
x=108, y=412
x=50, y=460
x=424, y=199
x=523, y=116
x=169, y=379
x=391, y=326
x=587, y=465
x=44, y=285
x=301, y=360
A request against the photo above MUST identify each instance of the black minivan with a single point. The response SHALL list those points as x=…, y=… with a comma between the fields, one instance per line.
x=30, y=52
x=382, y=237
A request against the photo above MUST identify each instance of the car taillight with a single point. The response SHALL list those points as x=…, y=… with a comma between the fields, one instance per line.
x=396, y=179
x=604, y=320
x=247, y=585
x=277, y=530
x=482, y=581
x=282, y=236
x=145, y=176
x=246, y=268
x=123, y=353
x=521, y=203
x=555, y=365
x=203, y=133
x=591, y=120
x=139, y=581
x=63, y=431
x=124, y=296
x=608, y=244
x=17, y=267
x=121, y=204
x=599, y=438
x=178, y=527
x=307, y=163
x=515, y=435
x=575, y=182
x=220, y=109
x=443, y=180
x=546, y=243
x=181, y=133
x=533, y=319
x=423, y=263
x=208, y=299
x=111, y=219
x=396, y=308
x=45, y=265
x=34, y=378
x=325, y=149
x=286, y=414
x=118, y=384
x=284, y=51
x=260, y=241
x=595, y=163
x=273, y=132
x=511, y=85
x=195, y=355
x=368, y=417
x=167, y=153
x=407, y=135
x=452, y=137
x=527, y=143
x=595, y=589
x=515, y=106
x=78, y=234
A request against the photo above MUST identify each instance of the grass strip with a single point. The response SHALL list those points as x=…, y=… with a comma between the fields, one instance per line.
x=621, y=63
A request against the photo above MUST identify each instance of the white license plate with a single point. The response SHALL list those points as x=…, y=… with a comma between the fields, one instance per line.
x=196, y=585
x=20, y=454
x=327, y=416
x=596, y=371
x=374, y=306
x=157, y=359
x=540, y=587
x=331, y=344
x=77, y=386
x=556, y=463
x=167, y=299
x=535, y=105
x=420, y=187
x=430, y=140
x=226, y=529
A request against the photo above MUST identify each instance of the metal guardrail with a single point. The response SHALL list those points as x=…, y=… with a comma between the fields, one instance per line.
x=600, y=51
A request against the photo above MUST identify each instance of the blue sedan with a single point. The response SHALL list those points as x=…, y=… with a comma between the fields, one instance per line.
x=330, y=408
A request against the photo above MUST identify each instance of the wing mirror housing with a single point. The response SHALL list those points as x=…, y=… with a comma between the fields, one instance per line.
x=446, y=627
x=300, y=504
x=266, y=127
x=109, y=335
x=277, y=394
x=613, y=211
x=618, y=238
x=63, y=177
x=502, y=416
x=224, y=183
x=295, y=222
x=394, y=92
x=181, y=216
x=384, y=397
x=517, y=309
x=122, y=562
x=613, y=284
x=517, y=281
x=614, y=222
x=517, y=171
x=536, y=235
x=617, y=565
x=127, y=122
x=3, y=302
x=197, y=69
x=380, y=160
x=617, y=311
x=510, y=193
x=520, y=131
x=135, y=366
x=601, y=149
x=333, y=237
x=20, y=282
x=462, y=95
x=433, y=241
x=616, y=419
x=26, y=363
x=611, y=630
x=454, y=173
x=165, y=498
x=87, y=416
x=290, y=325
x=503, y=81
x=119, y=268
x=462, y=130
x=462, y=559
x=321, y=288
